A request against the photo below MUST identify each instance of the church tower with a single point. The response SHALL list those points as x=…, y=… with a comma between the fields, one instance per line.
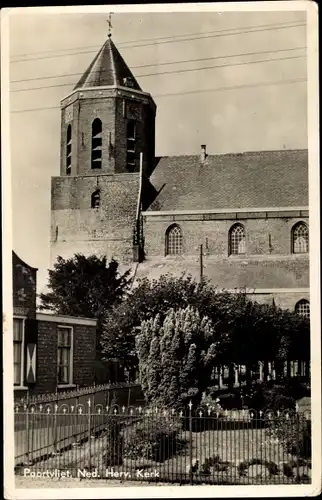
x=107, y=150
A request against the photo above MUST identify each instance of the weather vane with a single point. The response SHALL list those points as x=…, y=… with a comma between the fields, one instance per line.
x=109, y=22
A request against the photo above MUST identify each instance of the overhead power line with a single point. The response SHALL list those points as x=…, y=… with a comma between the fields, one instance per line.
x=261, y=61
x=217, y=35
x=122, y=44
x=166, y=63
x=189, y=92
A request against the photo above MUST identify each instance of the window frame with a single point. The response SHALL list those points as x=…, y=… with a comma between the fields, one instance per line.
x=97, y=165
x=71, y=356
x=21, y=385
x=69, y=155
x=231, y=229
x=293, y=229
x=167, y=234
x=132, y=140
x=96, y=192
x=300, y=302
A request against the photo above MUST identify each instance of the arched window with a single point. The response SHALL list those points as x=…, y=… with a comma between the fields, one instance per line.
x=97, y=143
x=174, y=241
x=303, y=308
x=130, y=145
x=69, y=150
x=300, y=238
x=237, y=240
x=96, y=199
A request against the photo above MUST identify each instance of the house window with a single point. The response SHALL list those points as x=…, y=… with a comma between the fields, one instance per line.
x=18, y=346
x=96, y=199
x=69, y=150
x=174, y=241
x=300, y=238
x=237, y=240
x=303, y=308
x=96, y=143
x=64, y=358
x=130, y=145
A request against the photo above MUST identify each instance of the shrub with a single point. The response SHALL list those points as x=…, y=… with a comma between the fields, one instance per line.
x=113, y=455
x=156, y=437
x=294, y=433
x=243, y=467
x=176, y=357
x=273, y=396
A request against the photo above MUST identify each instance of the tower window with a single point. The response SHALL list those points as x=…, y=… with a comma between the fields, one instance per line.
x=303, y=308
x=69, y=150
x=300, y=238
x=130, y=145
x=237, y=240
x=97, y=143
x=96, y=199
x=174, y=241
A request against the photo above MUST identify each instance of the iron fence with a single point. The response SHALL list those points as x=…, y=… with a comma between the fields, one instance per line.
x=105, y=394
x=193, y=445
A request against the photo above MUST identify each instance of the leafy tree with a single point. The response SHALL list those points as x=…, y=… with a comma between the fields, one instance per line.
x=246, y=331
x=172, y=354
x=146, y=300
x=84, y=286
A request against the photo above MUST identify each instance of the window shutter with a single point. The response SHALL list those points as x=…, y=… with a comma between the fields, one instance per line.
x=31, y=337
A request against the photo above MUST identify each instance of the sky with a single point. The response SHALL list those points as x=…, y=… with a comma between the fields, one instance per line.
x=200, y=68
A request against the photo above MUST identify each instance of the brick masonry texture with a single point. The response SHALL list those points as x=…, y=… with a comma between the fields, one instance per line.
x=252, y=181
x=83, y=357
x=107, y=230
x=214, y=235
x=112, y=113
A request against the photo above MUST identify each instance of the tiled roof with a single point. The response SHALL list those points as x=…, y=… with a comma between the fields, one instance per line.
x=108, y=68
x=245, y=180
x=231, y=273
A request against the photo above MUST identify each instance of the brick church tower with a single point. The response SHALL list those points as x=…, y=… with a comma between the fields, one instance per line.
x=107, y=150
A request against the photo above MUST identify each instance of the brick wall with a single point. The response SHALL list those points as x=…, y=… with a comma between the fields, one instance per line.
x=109, y=106
x=84, y=340
x=213, y=234
x=107, y=230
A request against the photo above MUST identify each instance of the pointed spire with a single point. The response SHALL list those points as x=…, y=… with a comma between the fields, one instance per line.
x=108, y=69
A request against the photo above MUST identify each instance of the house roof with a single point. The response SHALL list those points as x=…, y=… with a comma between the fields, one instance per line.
x=16, y=260
x=242, y=180
x=107, y=69
x=231, y=273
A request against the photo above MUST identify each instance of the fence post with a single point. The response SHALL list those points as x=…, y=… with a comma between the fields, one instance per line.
x=55, y=425
x=297, y=447
x=190, y=442
x=89, y=434
x=26, y=406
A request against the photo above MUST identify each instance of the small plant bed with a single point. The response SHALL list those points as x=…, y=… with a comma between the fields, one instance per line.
x=245, y=456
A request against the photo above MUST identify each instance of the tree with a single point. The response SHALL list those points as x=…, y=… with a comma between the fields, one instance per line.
x=246, y=332
x=84, y=286
x=149, y=298
x=172, y=354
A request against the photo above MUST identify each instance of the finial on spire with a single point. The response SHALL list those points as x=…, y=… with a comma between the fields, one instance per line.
x=109, y=22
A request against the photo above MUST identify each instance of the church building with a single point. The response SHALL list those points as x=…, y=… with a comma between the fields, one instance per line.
x=240, y=220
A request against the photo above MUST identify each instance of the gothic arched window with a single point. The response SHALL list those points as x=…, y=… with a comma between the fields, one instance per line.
x=300, y=238
x=97, y=143
x=174, y=240
x=303, y=308
x=96, y=199
x=69, y=150
x=237, y=240
x=130, y=145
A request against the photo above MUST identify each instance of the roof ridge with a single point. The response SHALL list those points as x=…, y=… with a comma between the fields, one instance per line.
x=237, y=153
